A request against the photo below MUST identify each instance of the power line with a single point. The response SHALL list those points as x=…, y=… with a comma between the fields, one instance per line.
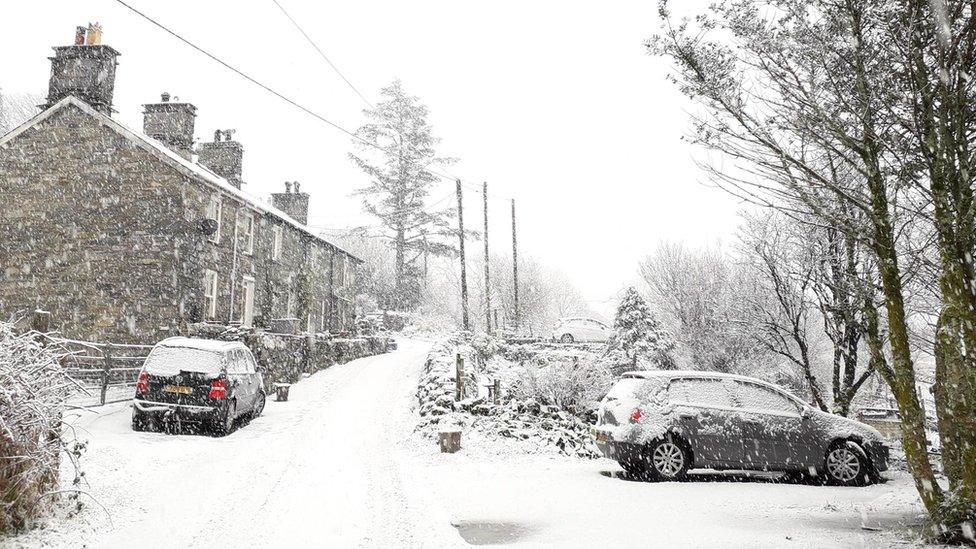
x=272, y=91
x=322, y=53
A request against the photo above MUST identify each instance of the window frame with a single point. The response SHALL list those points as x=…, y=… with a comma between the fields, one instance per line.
x=250, y=228
x=277, y=242
x=215, y=208
x=211, y=283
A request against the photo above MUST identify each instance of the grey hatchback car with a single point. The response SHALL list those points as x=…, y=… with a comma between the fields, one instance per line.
x=660, y=424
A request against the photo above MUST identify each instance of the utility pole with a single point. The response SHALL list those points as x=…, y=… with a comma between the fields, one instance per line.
x=484, y=193
x=464, y=277
x=514, y=264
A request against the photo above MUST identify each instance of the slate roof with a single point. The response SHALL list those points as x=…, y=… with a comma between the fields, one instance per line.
x=187, y=167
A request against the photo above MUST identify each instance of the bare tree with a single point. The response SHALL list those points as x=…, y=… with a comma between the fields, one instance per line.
x=16, y=109
x=698, y=294
x=809, y=100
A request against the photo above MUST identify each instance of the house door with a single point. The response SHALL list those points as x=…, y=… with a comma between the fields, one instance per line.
x=248, y=319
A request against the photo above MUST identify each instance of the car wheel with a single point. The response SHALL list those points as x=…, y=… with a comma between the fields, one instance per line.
x=258, y=405
x=668, y=460
x=143, y=422
x=846, y=464
x=566, y=338
x=226, y=423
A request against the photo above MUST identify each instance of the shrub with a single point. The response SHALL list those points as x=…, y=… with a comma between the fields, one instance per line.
x=32, y=443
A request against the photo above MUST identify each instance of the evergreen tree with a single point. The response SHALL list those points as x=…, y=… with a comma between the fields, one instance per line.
x=637, y=333
x=398, y=156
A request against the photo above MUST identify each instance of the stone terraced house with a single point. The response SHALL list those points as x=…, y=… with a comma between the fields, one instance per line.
x=124, y=237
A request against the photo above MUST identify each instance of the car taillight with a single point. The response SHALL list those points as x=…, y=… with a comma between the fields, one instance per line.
x=142, y=385
x=217, y=389
x=635, y=415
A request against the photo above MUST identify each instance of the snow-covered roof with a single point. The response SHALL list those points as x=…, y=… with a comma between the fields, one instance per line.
x=187, y=167
x=201, y=344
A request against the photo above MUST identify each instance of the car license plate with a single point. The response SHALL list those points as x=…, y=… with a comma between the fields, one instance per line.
x=178, y=389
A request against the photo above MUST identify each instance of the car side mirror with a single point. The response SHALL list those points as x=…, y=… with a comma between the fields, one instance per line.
x=806, y=412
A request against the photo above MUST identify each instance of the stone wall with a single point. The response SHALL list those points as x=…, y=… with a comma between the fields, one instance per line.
x=284, y=358
x=80, y=233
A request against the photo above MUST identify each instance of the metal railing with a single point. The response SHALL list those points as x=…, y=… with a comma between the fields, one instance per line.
x=103, y=372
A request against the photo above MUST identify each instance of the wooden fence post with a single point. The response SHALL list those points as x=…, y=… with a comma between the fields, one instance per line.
x=106, y=368
x=41, y=322
x=459, y=377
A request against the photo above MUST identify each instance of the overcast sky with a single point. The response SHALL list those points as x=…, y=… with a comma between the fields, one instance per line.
x=554, y=103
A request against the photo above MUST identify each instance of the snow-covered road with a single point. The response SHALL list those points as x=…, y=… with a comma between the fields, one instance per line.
x=339, y=466
x=320, y=470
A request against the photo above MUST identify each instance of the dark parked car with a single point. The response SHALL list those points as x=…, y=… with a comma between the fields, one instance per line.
x=197, y=381
x=660, y=424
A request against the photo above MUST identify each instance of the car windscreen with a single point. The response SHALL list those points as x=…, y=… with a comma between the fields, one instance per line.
x=170, y=361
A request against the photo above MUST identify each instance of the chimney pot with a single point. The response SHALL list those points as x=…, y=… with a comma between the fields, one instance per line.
x=294, y=204
x=223, y=156
x=94, y=34
x=85, y=70
x=171, y=123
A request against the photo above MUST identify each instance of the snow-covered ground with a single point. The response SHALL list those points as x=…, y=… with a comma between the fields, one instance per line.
x=339, y=465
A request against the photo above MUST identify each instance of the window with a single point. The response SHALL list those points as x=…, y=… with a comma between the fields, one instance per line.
x=763, y=399
x=213, y=212
x=278, y=243
x=248, y=317
x=249, y=234
x=340, y=270
x=290, y=299
x=708, y=392
x=210, y=293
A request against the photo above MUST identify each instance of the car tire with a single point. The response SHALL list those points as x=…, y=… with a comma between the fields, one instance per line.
x=634, y=469
x=144, y=422
x=846, y=464
x=667, y=459
x=225, y=424
x=567, y=338
x=258, y=405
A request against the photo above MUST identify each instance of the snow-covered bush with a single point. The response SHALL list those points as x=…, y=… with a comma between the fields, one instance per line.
x=32, y=442
x=575, y=385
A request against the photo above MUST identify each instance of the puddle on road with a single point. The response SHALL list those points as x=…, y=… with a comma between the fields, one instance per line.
x=480, y=532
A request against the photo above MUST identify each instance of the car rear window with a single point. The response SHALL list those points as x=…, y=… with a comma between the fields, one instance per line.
x=170, y=361
x=625, y=388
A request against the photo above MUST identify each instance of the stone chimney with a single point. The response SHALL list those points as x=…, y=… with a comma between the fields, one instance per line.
x=85, y=70
x=294, y=203
x=223, y=156
x=171, y=122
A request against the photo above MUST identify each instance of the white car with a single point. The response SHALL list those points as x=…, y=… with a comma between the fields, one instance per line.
x=573, y=329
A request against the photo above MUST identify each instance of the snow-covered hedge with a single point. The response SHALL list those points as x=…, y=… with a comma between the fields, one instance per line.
x=32, y=442
x=519, y=422
x=285, y=357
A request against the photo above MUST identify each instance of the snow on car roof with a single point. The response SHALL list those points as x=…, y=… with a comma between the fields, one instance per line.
x=670, y=374
x=201, y=344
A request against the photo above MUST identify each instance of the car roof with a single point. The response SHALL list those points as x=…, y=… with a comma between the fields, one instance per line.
x=572, y=318
x=212, y=345
x=671, y=374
